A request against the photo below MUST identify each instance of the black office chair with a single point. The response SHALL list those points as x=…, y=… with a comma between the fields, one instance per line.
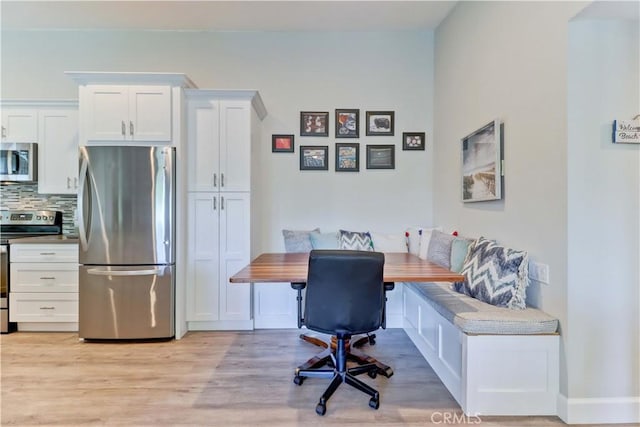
x=345, y=296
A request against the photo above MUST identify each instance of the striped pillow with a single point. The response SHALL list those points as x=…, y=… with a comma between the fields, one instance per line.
x=495, y=274
x=355, y=241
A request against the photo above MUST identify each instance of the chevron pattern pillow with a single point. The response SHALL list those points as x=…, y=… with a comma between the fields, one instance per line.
x=355, y=241
x=495, y=274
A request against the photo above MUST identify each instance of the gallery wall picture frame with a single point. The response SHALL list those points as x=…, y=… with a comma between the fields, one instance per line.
x=380, y=123
x=314, y=123
x=413, y=141
x=481, y=158
x=282, y=144
x=347, y=123
x=314, y=157
x=347, y=157
x=381, y=156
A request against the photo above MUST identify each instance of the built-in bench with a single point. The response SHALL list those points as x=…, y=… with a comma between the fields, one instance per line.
x=493, y=360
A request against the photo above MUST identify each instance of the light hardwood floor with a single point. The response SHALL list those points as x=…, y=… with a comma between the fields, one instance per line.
x=214, y=379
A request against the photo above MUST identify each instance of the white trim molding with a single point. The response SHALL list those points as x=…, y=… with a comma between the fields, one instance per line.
x=599, y=410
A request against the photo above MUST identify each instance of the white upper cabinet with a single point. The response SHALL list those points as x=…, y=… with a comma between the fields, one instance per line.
x=128, y=113
x=53, y=125
x=135, y=108
x=58, y=151
x=19, y=124
x=219, y=128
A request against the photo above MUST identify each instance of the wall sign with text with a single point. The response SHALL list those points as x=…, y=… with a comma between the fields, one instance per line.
x=626, y=131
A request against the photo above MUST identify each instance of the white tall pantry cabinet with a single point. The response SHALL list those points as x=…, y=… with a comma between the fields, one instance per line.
x=222, y=128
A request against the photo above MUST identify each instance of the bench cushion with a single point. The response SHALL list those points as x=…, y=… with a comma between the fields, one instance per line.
x=476, y=317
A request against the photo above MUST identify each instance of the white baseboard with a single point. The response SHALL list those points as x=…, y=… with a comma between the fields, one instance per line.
x=610, y=410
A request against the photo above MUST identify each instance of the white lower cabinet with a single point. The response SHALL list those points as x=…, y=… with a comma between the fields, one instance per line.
x=44, y=287
x=218, y=246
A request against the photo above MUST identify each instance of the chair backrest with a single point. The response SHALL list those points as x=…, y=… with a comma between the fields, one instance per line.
x=345, y=292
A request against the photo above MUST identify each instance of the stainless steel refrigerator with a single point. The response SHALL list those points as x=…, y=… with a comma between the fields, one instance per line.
x=126, y=224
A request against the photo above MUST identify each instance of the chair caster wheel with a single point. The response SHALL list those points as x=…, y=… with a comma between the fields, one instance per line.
x=321, y=409
x=372, y=374
x=372, y=340
x=298, y=380
x=373, y=403
x=387, y=372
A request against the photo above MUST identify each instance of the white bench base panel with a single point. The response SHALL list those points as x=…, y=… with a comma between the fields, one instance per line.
x=486, y=374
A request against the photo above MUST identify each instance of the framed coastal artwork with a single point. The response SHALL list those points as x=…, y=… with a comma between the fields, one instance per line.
x=482, y=163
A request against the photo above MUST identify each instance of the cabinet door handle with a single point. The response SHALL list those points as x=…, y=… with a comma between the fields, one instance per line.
x=214, y=203
x=222, y=180
x=47, y=253
x=4, y=132
x=75, y=183
x=47, y=278
x=124, y=129
x=68, y=182
x=221, y=203
x=130, y=127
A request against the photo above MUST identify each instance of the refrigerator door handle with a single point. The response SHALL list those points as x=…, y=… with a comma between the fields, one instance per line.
x=144, y=272
x=82, y=231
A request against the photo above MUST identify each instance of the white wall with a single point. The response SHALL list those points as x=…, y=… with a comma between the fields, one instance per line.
x=293, y=72
x=508, y=60
x=603, y=219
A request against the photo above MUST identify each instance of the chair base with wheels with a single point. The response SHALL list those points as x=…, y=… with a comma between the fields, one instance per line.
x=340, y=374
x=353, y=353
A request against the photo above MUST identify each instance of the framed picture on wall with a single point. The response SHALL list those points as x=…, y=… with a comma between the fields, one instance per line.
x=282, y=144
x=380, y=123
x=481, y=163
x=381, y=156
x=413, y=140
x=347, y=157
x=314, y=157
x=314, y=123
x=347, y=123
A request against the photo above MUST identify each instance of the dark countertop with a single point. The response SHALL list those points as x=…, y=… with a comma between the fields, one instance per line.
x=58, y=238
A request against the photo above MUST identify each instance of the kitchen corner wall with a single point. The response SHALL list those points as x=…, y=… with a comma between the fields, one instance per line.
x=25, y=196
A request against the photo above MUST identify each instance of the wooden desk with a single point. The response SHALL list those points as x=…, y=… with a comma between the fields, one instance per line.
x=292, y=267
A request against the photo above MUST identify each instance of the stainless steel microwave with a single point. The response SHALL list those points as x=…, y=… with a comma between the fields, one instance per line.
x=18, y=162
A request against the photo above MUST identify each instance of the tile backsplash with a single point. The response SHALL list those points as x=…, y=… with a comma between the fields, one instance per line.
x=17, y=196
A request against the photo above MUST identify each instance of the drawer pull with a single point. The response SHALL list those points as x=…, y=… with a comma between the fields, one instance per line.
x=47, y=278
x=47, y=253
x=47, y=308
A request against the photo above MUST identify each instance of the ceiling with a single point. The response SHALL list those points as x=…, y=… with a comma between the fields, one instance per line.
x=238, y=15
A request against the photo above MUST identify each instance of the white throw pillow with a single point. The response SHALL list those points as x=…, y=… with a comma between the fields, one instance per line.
x=389, y=242
x=414, y=239
x=425, y=237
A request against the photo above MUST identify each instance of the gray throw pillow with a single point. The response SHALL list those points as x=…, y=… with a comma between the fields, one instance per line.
x=297, y=240
x=495, y=274
x=440, y=248
x=355, y=241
